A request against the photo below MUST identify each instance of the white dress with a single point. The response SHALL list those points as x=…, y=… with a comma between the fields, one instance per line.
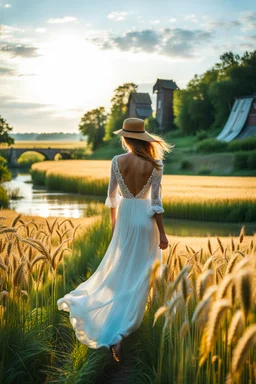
x=111, y=303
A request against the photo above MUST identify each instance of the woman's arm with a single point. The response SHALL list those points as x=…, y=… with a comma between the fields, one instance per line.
x=163, y=239
x=113, y=218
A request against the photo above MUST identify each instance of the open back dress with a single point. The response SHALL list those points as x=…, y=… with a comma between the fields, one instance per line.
x=111, y=303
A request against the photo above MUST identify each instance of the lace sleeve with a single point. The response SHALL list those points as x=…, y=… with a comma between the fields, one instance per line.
x=156, y=200
x=113, y=198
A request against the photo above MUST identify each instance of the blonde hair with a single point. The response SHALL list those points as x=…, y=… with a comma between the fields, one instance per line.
x=148, y=150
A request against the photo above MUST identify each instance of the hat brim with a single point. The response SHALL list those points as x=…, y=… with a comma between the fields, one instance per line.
x=133, y=135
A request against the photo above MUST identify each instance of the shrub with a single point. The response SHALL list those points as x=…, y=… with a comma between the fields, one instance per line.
x=247, y=144
x=3, y=198
x=240, y=160
x=245, y=160
x=212, y=145
x=201, y=135
x=204, y=171
x=186, y=164
x=251, y=160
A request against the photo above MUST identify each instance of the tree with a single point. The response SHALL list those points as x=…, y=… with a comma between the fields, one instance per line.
x=4, y=132
x=151, y=125
x=119, y=108
x=207, y=101
x=5, y=174
x=93, y=125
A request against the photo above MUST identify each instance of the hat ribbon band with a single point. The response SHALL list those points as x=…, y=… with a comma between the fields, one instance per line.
x=126, y=130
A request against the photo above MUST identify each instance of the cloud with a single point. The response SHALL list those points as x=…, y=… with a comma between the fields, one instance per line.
x=40, y=30
x=191, y=18
x=5, y=6
x=117, y=16
x=63, y=20
x=9, y=102
x=19, y=50
x=218, y=24
x=4, y=72
x=173, y=20
x=175, y=42
x=249, y=20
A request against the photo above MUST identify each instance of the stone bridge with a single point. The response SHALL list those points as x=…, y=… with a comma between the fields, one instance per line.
x=12, y=154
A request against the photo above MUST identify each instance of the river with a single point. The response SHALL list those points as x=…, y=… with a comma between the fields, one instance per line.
x=39, y=201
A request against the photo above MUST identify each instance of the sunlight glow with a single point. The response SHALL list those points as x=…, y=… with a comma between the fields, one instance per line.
x=69, y=73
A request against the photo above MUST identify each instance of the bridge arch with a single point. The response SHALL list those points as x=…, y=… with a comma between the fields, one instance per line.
x=48, y=153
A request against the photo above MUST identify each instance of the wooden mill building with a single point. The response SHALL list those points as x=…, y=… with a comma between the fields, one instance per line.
x=139, y=105
x=164, y=103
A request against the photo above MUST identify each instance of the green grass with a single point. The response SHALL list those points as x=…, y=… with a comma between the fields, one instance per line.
x=4, y=201
x=38, y=343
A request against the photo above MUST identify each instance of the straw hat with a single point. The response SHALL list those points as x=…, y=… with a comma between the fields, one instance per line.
x=135, y=129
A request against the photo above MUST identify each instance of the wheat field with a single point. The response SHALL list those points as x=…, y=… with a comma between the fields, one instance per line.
x=199, y=323
x=207, y=198
x=201, y=187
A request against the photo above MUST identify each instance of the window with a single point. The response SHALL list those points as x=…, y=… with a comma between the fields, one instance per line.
x=159, y=104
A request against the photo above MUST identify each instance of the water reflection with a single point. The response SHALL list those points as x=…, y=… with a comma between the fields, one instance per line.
x=39, y=201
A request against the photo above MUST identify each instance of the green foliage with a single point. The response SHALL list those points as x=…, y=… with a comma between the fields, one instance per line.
x=80, y=153
x=93, y=125
x=212, y=145
x=208, y=98
x=245, y=160
x=29, y=158
x=247, y=144
x=151, y=125
x=3, y=198
x=201, y=135
x=204, y=171
x=186, y=164
x=5, y=174
x=5, y=129
x=119, y=108
x=251, y=160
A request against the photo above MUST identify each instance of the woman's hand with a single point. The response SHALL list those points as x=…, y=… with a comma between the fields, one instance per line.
x=163, y=241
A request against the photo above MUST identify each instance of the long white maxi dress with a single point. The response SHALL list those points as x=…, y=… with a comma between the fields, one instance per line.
x=111, y=303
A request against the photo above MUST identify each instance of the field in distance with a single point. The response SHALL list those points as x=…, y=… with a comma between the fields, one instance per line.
x=46, y=144
x=179, y=186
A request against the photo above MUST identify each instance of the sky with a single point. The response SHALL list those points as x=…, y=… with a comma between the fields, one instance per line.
x=60, y=59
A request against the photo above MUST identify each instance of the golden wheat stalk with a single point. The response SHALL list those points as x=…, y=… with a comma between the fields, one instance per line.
x=244, y=288
x=184, y=329
x=241, y=235
x=204, y=279
x=236, y=326
x=224, y=285
x=245, y=343
x=218, y=310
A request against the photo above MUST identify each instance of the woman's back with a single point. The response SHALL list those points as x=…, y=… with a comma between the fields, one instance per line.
x=135, y=171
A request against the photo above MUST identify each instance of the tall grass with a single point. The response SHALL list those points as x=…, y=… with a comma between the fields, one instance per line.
x=31, y=254
x=4, y=200
x=199, y=323
x=208, y=304
x=184, y=197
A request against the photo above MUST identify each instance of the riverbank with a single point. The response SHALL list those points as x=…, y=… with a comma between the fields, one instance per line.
x=207, y=198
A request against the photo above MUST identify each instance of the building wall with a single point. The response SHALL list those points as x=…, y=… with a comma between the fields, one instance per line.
x=132, y=109
x=164, y=110
x=251, y=120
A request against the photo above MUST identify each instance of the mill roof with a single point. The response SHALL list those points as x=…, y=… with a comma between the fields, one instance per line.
x=166, y=84
x=141, y=98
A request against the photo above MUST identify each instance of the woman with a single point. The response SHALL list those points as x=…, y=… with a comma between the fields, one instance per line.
x=111, y=303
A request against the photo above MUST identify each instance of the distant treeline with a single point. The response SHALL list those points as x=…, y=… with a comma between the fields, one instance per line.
x=208, y=99
x=57, y=136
